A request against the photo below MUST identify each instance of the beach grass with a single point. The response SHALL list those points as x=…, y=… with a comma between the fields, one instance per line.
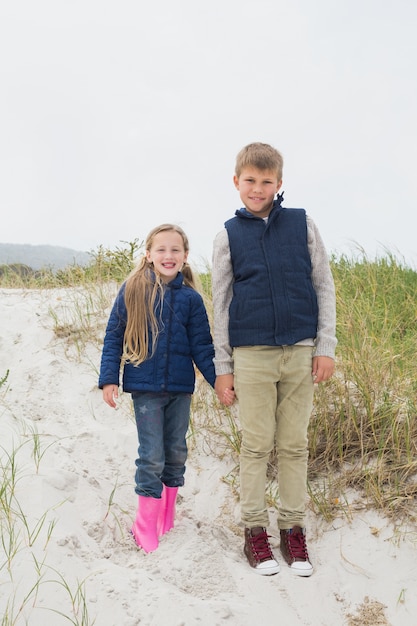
x=363, y=431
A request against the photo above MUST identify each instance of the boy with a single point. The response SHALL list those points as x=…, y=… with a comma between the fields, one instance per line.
x=274, y=336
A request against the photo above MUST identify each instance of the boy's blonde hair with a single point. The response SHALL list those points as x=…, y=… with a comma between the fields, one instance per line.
x=143, y=292
x=259, y=155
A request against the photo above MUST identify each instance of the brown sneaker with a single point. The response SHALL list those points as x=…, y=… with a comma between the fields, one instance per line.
x=258, y=551
x=294, y=550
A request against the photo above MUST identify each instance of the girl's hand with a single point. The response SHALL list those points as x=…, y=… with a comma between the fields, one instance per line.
x=110, y=394
x=229, y=396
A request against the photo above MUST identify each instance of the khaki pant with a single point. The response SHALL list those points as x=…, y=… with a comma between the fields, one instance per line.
x=274, y=387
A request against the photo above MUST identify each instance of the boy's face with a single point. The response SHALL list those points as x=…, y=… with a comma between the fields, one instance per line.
x=257, y=189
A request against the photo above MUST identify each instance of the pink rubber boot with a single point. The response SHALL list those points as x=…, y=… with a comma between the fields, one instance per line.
x=144, y=529
x=167, y=515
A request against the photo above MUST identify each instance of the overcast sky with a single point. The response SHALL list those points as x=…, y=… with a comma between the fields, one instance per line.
x=118, y=116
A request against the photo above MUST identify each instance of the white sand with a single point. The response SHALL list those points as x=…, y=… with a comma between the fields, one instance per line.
x=79, y=505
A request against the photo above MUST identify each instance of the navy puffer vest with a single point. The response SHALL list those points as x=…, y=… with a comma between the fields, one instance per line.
x=274, y=302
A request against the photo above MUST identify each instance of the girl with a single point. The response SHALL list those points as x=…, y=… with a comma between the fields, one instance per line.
x=157, y=330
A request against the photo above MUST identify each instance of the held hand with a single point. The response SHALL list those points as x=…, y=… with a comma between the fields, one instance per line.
x=323, y=368
x=110, y=394
x=229, y=396
x=224, y=389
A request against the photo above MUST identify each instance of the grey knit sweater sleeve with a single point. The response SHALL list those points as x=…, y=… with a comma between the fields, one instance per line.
x=321, y=276
x=222, y=284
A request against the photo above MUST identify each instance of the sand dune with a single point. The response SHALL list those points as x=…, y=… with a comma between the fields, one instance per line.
x=66, y=546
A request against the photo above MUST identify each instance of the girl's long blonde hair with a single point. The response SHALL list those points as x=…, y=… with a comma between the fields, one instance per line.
x=144, y=290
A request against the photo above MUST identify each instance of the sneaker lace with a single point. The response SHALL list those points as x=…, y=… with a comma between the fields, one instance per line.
x=261, y=548
x=297, y=546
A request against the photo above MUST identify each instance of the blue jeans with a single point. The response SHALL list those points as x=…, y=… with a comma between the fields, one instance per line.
x=162, y=421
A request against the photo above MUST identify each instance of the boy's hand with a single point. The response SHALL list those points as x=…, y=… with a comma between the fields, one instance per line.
x=323, y=368
x=224, y=388
x=110, y=394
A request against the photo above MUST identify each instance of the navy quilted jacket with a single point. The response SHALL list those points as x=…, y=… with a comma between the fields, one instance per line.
x=185, y=338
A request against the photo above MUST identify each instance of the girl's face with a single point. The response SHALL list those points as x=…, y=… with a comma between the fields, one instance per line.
x=167, y=254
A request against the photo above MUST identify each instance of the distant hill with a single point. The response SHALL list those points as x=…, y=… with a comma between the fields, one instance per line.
x=40, y=257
